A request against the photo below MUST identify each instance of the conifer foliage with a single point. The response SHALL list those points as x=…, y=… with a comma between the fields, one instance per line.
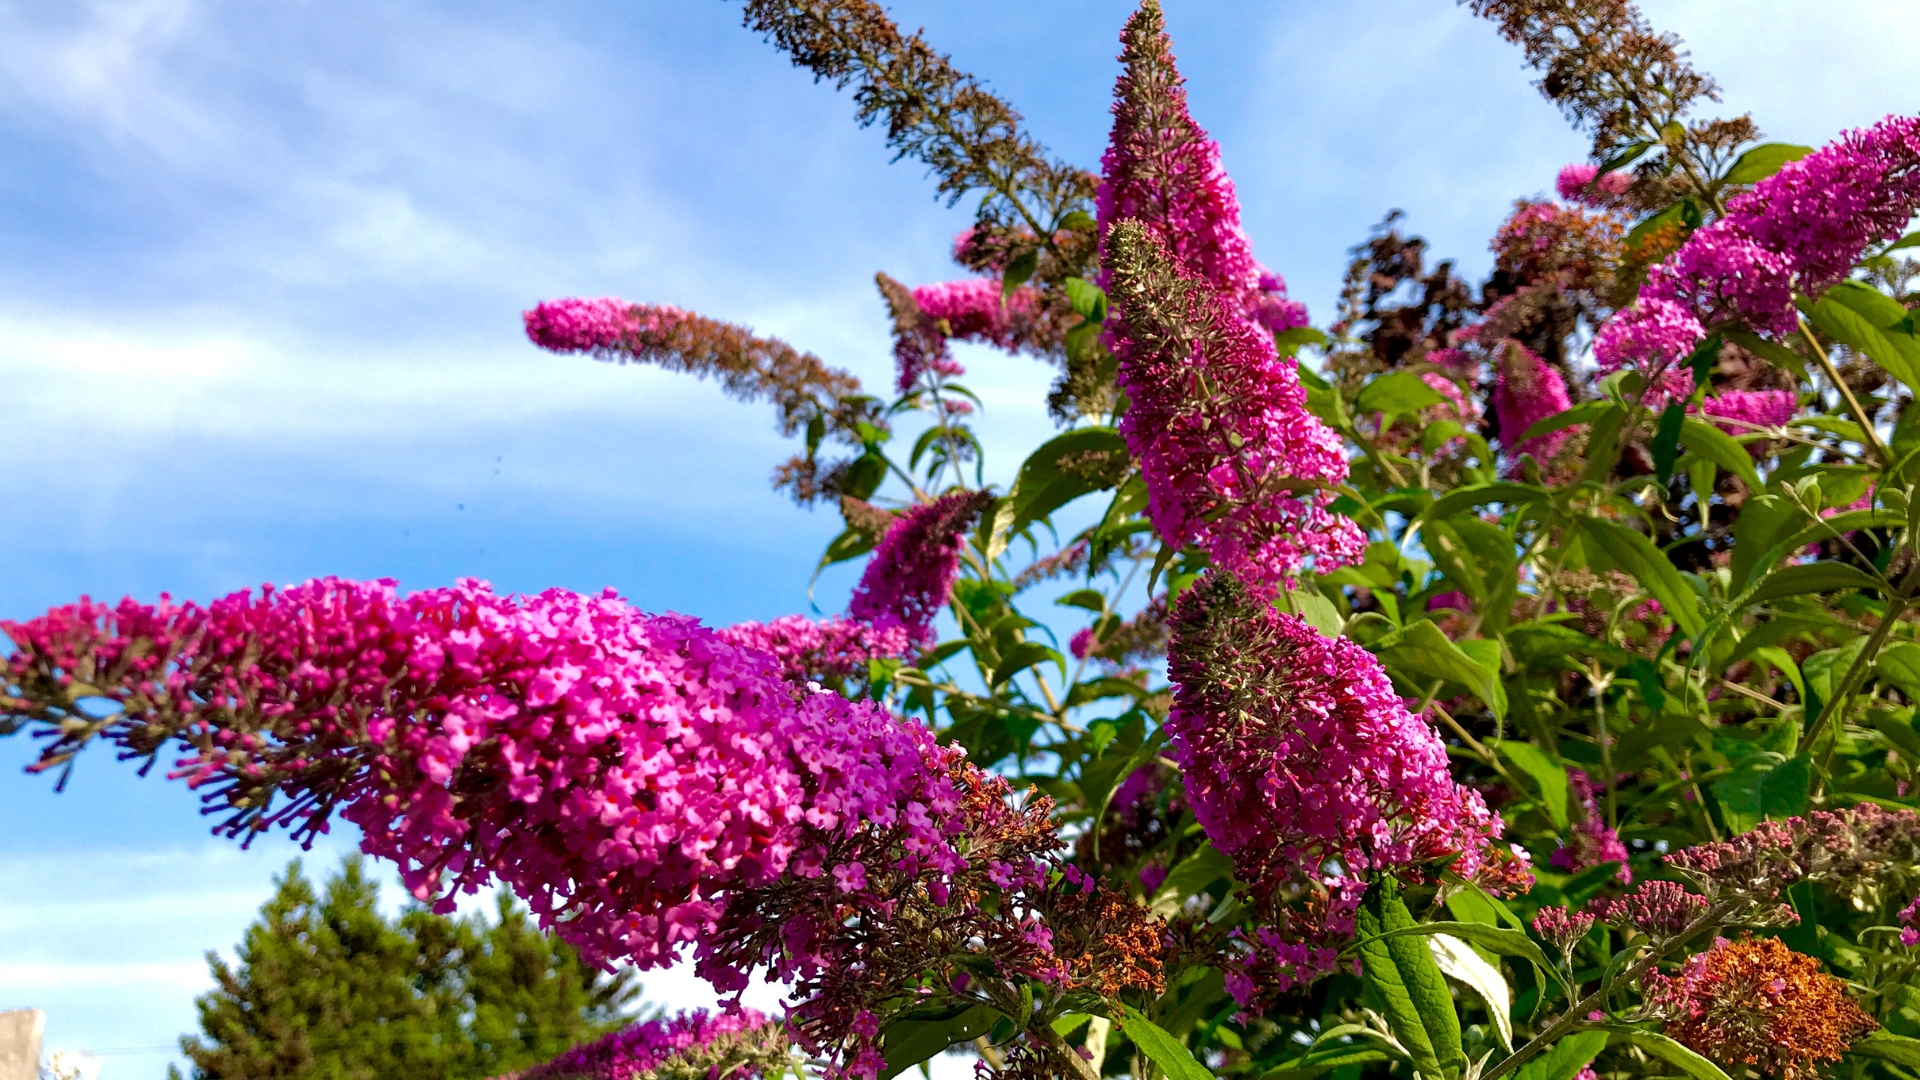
x=327, y=986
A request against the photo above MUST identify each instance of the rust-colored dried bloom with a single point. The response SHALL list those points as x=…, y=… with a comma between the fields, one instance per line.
x=968, y=137
x=1610, y=72
x=1758, y=1003
x=750, y=367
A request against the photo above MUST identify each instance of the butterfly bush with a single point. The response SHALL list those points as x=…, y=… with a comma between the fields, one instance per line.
x=749, y=367
x=1217, y=420
x=1526, y=391
x=834, y=648
x=1592, y=841
x=929, y=317
x=692, y=1045
x=1757, y=1002
x=910, y=577
x=1220, y=428
x=1302, y=763
x=1584, y=182
x=1161, y=169
x=1801, y=229
x=620, y=771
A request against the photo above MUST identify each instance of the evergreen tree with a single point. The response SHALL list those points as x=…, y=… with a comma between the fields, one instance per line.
x=328, y=988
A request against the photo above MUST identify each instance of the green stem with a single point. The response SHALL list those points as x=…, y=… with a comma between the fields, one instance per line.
x=1857, y=671
x=1860, y=414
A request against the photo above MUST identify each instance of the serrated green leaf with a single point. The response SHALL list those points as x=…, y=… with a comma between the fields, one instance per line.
x=1811, y=578
x=1584, y=413
x=1023, y=655
x=1720, y=448
x=1853, y=314
x=1453, y=502
x=1887, y=1046
x=1460, y=963
x=1325, y=1059
x=1018, y=271
x=1089, y=300
x=1899, y=664
x=1193, y=874
x=1666, y=439
x=1043, y=486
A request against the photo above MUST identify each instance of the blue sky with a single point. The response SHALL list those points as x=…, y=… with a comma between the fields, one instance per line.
x=261, y=269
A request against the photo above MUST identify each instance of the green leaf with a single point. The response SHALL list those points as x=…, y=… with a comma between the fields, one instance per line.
x=1460, y=963
x=1481, y=494
x=1422, y=649
x=1043, y=486
x=1088, y=599
x=1722, y=449
x=1495, y=939
x=1397, y=393
x=1763, y=161
x=1023, y=655
x=1811, y=578
x=1018, y=271
x=908, y=1042
x=1912, y=239
x=1853, y=314
x=1666, y=439
x=1289, y=342
x=1564, y=1059
x=1318, y=611
x=1887, y=1046
x=1899, y=664
x=1758, y=790
x=1784, y=792
x=1672, y=1053
x=1542, y=769
x=1164, y=1050
x=1079, y=221
x=1411, y=990
x=1195, y=873
x=1325, y=1059
x=1584, y=413
x=1637, y=556
x=1089, y=300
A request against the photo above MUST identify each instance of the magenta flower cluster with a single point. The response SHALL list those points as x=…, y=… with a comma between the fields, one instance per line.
x=1301, y=762
x=971, y=309
x=1592, y=841
x=1585, y=183
x=1801, y=229
x=639, y=1051
x=622, y=772
x=1162, y=169
x=910, y=576
x=807, y=649
x=1751, y=409
x=577, y=325
x=1216, y=430
x=1526, y=391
